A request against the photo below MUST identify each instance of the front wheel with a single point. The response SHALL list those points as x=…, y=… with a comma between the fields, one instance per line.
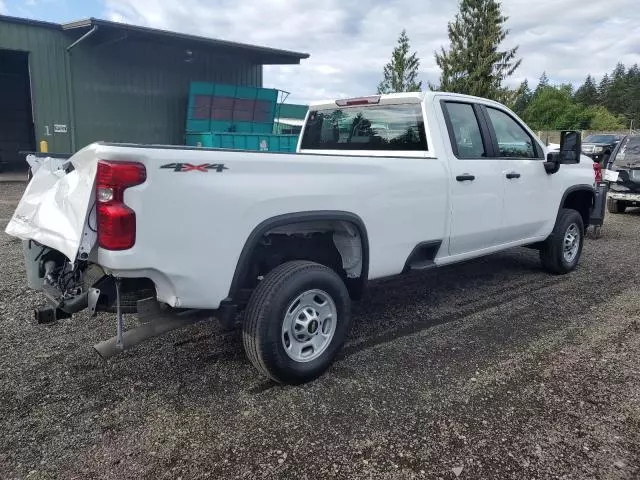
x=296, y=321
x=561, y=252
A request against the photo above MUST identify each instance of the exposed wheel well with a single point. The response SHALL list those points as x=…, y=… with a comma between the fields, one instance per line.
x=582, y=201
x=339, y=243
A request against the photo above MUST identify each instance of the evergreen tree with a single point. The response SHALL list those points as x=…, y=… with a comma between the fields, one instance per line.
x=543, y=82
x=603, y=89
x=633, y=72
x=401, y=73
x=587, y=93
x=632, y=111
x=523, y=97
x=618, y=72
x=609, y=105
x=474, y=63
x=615, y=100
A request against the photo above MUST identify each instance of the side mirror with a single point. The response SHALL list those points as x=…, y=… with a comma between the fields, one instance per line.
x=570, y=147
x=552, y=165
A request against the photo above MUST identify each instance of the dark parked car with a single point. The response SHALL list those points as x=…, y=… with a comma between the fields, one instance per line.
x=625, y=161
x=600, y=147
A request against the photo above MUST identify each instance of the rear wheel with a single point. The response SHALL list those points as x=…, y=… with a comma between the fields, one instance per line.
x=296, y=321
x=561, y=252
x=615, y=206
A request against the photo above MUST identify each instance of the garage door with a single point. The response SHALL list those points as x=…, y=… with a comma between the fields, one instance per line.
x=16, y=121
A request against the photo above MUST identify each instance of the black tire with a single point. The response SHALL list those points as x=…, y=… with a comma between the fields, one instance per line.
x=263, y=321
x=552, y=253
x=615, y=206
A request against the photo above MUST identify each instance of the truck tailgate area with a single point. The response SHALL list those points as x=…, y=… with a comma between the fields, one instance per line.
x=56, y=204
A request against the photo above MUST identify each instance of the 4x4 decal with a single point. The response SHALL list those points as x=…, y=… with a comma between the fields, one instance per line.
x=187, y=167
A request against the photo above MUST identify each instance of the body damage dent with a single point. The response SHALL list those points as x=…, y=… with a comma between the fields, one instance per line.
x=54, y=208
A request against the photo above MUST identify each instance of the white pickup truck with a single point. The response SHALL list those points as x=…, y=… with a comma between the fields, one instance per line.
x=380, y=185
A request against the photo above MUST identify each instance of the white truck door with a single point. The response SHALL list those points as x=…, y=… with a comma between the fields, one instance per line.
x=476, y=184
x=530, y=205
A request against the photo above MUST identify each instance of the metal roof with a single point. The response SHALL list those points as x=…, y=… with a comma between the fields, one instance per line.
x=263, y=55
x=28, y=21
x=267, y=55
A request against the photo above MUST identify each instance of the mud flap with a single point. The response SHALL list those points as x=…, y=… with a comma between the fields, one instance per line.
x=597, y=214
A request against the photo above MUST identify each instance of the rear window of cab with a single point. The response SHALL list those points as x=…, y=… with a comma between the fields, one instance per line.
x=370, y=127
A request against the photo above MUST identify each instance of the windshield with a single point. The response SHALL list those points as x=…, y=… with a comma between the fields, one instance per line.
x=600, y=139
x=373, y=127
x=629, y=153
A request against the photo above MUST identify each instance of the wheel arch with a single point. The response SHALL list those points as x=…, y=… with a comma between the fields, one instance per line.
x=580, y=198
x=252, y=242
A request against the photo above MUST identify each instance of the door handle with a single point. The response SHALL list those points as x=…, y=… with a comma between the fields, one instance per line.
x=511, y=175
x=465, y=177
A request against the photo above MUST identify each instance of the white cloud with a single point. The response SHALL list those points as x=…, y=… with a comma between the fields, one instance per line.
x=3, y=7
x=350, y=41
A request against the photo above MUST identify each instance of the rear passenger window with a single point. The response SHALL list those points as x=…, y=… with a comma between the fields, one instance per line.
x=464, y=130
x=513, y=140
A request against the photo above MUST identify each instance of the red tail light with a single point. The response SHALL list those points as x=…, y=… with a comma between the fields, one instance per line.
x=116, y=221
x=597, y=171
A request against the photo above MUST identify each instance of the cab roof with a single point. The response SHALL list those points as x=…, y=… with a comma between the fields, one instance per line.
x=393, y=98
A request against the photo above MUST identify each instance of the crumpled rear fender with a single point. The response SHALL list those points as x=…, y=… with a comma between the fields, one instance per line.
x=56, y=205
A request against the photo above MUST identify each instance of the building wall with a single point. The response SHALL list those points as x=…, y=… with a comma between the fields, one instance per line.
x=134, y=91
x=47, y=64
x=118, y=91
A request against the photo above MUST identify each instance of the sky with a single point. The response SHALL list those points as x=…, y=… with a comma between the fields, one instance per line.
x=350, y=40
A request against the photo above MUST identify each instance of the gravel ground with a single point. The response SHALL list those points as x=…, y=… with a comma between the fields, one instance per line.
x=490, y=369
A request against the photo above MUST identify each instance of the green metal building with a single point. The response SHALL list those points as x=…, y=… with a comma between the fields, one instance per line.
x=72, y=84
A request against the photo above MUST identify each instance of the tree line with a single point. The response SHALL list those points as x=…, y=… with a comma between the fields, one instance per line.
x=474, y=64
x=611, y=104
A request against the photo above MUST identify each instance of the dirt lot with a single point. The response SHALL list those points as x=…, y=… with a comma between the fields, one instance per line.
x=492, y=369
